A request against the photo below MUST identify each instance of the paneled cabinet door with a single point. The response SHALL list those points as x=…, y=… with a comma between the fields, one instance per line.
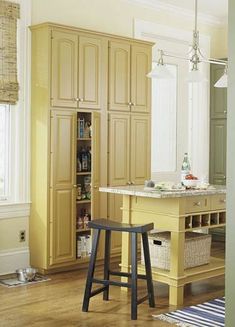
x=119, y=76
x=63, y=187
x=90, y=72
x=119, y=149
x=140, y=149
x=140, y=83
x=95, y=146
x=218, y=151
x=218, y=96
x=64, y=59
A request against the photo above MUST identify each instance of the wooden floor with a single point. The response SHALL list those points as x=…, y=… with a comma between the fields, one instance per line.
x=58, y=302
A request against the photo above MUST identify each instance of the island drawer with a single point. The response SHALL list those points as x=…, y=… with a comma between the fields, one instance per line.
x=197, y=204
x=218, y=202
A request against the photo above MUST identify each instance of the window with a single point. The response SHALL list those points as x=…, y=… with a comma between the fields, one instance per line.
x=164, y=117
x=4, y=150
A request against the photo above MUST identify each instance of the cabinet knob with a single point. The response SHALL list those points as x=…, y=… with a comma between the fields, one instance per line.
x=133, y=104
x=225, y=112
x=80, y=99
x=224, y=177
x=75, y=185
x=128, y=183
x=197, y=204
x=133, y=183
x=222, y=201
x=95, y=187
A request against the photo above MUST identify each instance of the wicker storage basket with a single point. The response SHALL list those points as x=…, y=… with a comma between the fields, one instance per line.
x=196, y=252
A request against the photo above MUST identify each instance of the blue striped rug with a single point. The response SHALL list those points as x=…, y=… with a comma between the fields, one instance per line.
x=207, y=314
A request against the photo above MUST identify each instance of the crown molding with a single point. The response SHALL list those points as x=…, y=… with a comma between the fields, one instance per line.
x=158, y=5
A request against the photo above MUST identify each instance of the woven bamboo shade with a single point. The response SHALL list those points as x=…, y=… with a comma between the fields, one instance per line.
x=9, y=87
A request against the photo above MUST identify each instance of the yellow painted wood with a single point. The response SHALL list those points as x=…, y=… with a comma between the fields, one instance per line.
x=90, y=72
x=119, y=76
x=119, y=149
x=63, y=213
x=115, y=213
x=95, y=166
x=170, y=216
x=141, y=63
x=40, y=148
x=197, y=203
x=140, y=149
x=69, y=64
x=218, y=202
x=64, y=58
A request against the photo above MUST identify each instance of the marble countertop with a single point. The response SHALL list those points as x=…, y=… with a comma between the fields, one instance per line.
x=139, y=190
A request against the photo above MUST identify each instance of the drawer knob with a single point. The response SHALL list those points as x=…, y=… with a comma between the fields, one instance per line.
x=197, y=204
x=222, y=200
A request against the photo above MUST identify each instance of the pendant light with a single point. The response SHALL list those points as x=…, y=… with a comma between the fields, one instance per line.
x=195, y=57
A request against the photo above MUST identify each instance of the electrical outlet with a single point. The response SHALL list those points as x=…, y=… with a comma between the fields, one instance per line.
x=22, y=236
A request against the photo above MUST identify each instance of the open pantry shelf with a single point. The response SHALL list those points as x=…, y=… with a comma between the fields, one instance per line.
x=205, y=220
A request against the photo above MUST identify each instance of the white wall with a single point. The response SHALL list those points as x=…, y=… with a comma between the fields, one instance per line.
x=14, y=215
x=117, y=16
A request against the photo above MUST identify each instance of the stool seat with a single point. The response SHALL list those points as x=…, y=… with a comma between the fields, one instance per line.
x=105, y=224
x=129, y=278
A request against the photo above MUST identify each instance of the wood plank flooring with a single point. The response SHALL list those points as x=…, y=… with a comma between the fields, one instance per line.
x=58, y=302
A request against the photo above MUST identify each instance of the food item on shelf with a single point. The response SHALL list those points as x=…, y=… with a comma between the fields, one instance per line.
x=80, y=221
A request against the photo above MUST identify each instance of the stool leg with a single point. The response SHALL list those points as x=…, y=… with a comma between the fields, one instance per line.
x=106, y=262
x=148, y=270
x=133, y=276
x=91, y=269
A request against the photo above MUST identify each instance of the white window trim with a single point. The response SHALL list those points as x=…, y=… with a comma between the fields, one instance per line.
x=20, y=122
x=152, y=32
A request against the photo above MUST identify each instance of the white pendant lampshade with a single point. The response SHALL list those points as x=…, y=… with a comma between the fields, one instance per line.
x=160, y=71
x=223, y=81
x=195, y=76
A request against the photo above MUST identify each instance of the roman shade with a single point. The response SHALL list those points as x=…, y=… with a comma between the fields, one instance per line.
x=9, y=87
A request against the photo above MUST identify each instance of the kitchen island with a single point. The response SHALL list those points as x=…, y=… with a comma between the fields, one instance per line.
x=176, y=211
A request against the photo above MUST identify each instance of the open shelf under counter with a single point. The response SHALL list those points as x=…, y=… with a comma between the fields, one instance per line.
x=216, y=267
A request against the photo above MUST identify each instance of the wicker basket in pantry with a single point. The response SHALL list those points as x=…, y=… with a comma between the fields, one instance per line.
x=196, y=252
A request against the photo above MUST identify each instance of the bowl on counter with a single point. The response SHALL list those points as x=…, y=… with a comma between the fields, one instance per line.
x=191, y=183
x=26, y=274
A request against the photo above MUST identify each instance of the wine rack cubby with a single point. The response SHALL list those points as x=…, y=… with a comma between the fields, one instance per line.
x=205, y=220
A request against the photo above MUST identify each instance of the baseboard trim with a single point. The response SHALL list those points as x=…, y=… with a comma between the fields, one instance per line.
x=13, y=259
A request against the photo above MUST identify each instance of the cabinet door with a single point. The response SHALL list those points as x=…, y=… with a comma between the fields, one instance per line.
x=90, y=64
x=140, y=83
x=63, y=195
x=115, y=214
x=119, y=149
x=95, y=168
x=140, y=149
x=64, y=69
x=218, y=151
x=119, y=76
x=218, y=96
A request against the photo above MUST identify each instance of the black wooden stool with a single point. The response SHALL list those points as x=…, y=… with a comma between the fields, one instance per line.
x=108, y=226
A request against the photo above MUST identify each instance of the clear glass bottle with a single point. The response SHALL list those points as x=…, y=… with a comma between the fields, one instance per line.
x=186, y=167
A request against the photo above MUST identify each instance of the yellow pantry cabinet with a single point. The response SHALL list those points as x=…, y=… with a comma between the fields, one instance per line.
x=129, y=158
x=77, y=70
x=73, y=73
x=129, y=88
